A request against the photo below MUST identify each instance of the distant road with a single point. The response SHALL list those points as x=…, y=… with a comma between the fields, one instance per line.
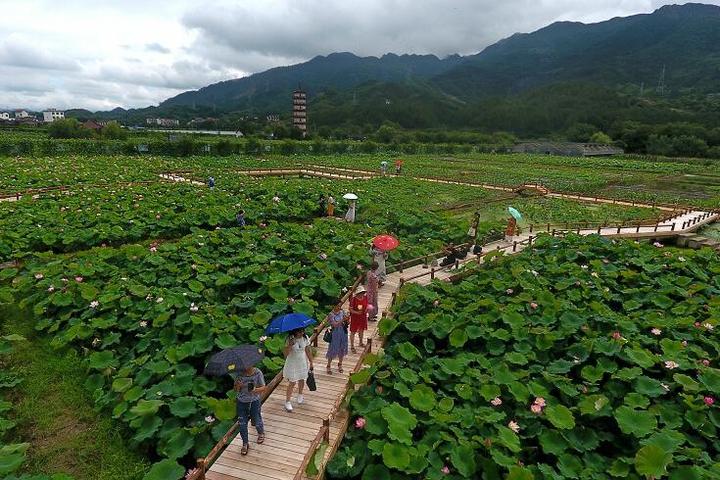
x=198, y=132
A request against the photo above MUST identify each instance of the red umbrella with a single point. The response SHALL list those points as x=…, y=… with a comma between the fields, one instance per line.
x=386, y=242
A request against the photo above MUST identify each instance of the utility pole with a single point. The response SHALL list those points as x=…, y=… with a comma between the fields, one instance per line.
x=661, y=83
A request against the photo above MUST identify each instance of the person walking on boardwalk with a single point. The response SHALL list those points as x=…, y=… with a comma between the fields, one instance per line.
x=330, y=206
x=379, y=256
x=511, y=229
x=371, y=285
x=398, y=166
x=358, y=317
x=338, y=347
x=298, y=363
x=383, y=167
x=249, y=385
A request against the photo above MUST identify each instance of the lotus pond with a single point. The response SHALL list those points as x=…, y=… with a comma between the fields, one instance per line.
x=583, y=358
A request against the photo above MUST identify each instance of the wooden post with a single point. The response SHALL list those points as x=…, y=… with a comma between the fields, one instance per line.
x=326, y=433
x=618, y=229
x=201, y=466
x=514, y=246
x=432, y=273
x=637, y=230
x=548, y=227
x=553, y=232
x=656, y=227
x=599, y=229
x=531, y=228
x=530, y=240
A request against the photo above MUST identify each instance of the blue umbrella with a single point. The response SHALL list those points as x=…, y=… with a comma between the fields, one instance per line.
x=515, y=213
x=289, y=322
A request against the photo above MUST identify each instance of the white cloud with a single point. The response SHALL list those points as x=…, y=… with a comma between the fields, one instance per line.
x=134, y=53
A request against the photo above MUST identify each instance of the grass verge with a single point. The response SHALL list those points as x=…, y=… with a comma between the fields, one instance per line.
x=56, y=415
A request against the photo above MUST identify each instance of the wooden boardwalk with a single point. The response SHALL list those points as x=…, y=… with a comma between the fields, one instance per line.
x=290, y=436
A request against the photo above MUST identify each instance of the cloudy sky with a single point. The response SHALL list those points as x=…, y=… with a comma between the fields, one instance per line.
x=101, y=54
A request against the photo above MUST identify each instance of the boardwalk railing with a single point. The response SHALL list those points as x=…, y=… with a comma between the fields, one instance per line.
x=203, y=464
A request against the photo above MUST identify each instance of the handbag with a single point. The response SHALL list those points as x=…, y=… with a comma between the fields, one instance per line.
x=312, y=386
x=327, y=336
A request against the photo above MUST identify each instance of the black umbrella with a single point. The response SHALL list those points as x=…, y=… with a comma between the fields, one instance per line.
x=234, y=360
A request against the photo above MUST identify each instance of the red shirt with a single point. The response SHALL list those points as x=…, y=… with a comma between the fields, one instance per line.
x=358, y=303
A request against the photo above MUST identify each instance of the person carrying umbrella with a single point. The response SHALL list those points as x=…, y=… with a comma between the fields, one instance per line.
x=350, y=215
x=211, y=182
x=298, y=355
x=379, y=249
x=383, y=167
x=322, y=204
x=358, y=317
x=239, y=362
x=512, y=229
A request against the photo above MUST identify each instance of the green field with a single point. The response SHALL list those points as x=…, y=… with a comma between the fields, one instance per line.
x=122, y=291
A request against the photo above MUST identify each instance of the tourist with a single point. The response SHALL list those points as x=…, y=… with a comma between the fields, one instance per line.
x=350, y=215
x=398, y=166
x=372, y=280
x=322, y=204
x=511, y=229
x=452, y=255
x=383, y=167
x=240, y=218
x=211, y=182
x=358, y=317
x=330, y=206
x=338, y=347
x=298, y=363
x=249, y=385
x=379, y=256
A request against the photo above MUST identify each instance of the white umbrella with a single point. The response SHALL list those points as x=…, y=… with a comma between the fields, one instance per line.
x=350, y=196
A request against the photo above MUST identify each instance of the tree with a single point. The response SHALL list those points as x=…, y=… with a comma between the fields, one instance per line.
x=580, y=132
x=600, y=137
x=113, y=131
x=68, y=128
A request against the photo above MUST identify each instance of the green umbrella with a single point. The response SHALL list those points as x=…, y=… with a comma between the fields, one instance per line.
x=515, y=213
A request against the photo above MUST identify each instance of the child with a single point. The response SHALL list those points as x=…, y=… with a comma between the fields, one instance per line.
x=249, y=385
x=358, y=317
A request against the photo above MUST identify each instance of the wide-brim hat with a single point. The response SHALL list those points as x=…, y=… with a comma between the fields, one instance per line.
x=359, y=290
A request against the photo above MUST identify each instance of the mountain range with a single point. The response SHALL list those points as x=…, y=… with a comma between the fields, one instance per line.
x=642, y=61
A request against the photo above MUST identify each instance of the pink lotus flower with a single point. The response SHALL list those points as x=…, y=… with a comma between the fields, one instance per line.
x=533, y=305
x=658, y=245
x=697, y=324
x=360, y=423
x=670, y=365
x=656, y=331
x=209, y=419
x=79, y=279
x=540, y=401
x=536, y=409
x=706, y=362
x=445, y=470
x=153, y=249
x=513, y=425
x=509, y=291
x=616, y=335
x=496, y=402
x=709, y=401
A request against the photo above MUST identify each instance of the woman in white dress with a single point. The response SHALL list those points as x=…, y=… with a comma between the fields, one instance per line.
x=298, y=361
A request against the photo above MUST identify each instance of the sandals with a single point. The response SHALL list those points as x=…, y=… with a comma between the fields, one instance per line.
x=340, y=369
x=329, y=372
x=353, y=350
x=244, y=449
x=261, y=438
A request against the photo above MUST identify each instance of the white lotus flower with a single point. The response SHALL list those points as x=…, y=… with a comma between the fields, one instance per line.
x=94, y=304
x=513, y=425
x=39, y=276
x=656, y=331
x=209, y=419
x=670, y=365
x=159, y=300
x=51, y=288
x=143, y=324
x=193, y=307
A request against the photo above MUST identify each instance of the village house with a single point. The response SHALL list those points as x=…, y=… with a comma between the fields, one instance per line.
x=52, y=114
